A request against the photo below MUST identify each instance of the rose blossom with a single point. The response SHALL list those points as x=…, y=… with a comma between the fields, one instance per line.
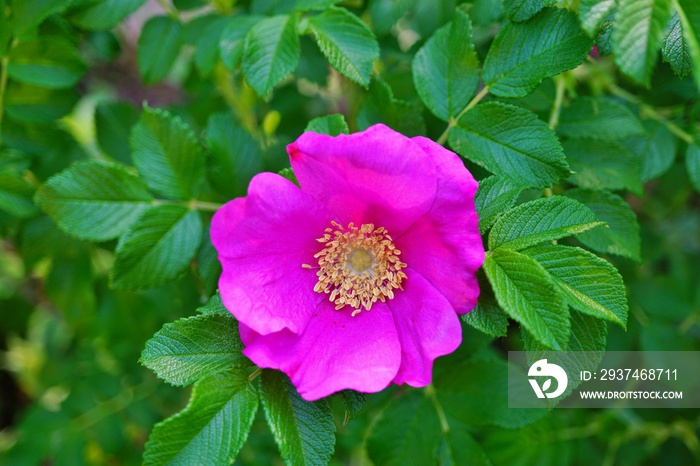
x=355, y=278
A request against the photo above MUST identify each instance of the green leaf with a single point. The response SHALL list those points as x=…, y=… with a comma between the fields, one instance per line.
x=512, y=143
x=16, y=195
x=353, y=401
x=689, y=13
x=494, y=196
x=544, y=219
x=621, y=234
x=592, y=14
x=601, y=164
x=158, y=47
x=32, y=104
x=189, y=349
x=479, y=400
x=458, y=447
x=233, y=39
x=692, y=163
x=523, y=54
x=588, y=283
x=525, y=292
x=51, y=62
x=105, y=14
x=270, y=53
x=674, y=48
x=656, y=149
x=304, y=431
x=380, y=106
x=488, y=318
x=208, y=265
x=211, y=429
x=167, y=154
x=207, y=54
x=639, y=27
x=235, y=155
x=332, y=125
x=407, y=433
x=347, y=42
x=485, y=12
x=93, y=200
x=522, y=10
x=598, y=118
x=113, y=123
x=308, y=5
x=27, y=14
x=446, y=68
x=157, y=248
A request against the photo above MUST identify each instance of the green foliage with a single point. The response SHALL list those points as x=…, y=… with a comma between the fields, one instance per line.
x=512, y=143
x=523, y=54
x=159, y=45
x=304, y=431
x=600, y=118
x=598, y=164
x=494, y=196
x=213, y=427
x=47, y=62
x=446, y=68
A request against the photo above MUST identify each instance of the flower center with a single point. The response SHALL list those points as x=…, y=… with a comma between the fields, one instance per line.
x=358, y=266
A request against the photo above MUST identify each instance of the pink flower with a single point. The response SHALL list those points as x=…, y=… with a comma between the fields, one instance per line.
x=355, y=279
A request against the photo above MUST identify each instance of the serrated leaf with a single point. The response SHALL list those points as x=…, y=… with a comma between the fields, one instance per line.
x=487, y=317
x=458, y=447
x=189, y=349
x=158, y=47
x=689, y=14
x=674, y=48
x=332, y=125
x=601, y=164
x=157, y=248
x=407, y=433
x=692, y=164
x=637, y=32
x=655, y=149
x=270, y=53
x=353, y=401
x=304, y=431
x=380, y=106
x=347, y=42
x=167, y=154
x=105, y=14
x=592, y=13
x=620, y=235
x=233, y=39
x=213, y=427
x=494, y=196
x=589, y=284
x=234, y=155
x=544, y=219
x=214, y=306
x=522, y=10
x=446, y=68
x=512, y=143
x=16, y=195
x=598, y=118
x=93, y=200
x=51, y=62
x=523, y=54
x=524, y=290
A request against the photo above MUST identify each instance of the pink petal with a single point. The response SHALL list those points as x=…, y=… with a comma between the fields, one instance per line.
x=428, y=327
x=376, y=176
x=262, y=241
x=335, y=352
x=444, y=245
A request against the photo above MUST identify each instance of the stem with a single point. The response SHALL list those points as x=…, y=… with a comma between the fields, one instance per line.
x=453, y=121
x=3, y=87
x=556, y=110
x=430, y=393
x=651, y=112
x=255, y=374
x=169, y=9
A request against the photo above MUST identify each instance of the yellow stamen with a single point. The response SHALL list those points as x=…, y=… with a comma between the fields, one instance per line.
x=358, y=266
